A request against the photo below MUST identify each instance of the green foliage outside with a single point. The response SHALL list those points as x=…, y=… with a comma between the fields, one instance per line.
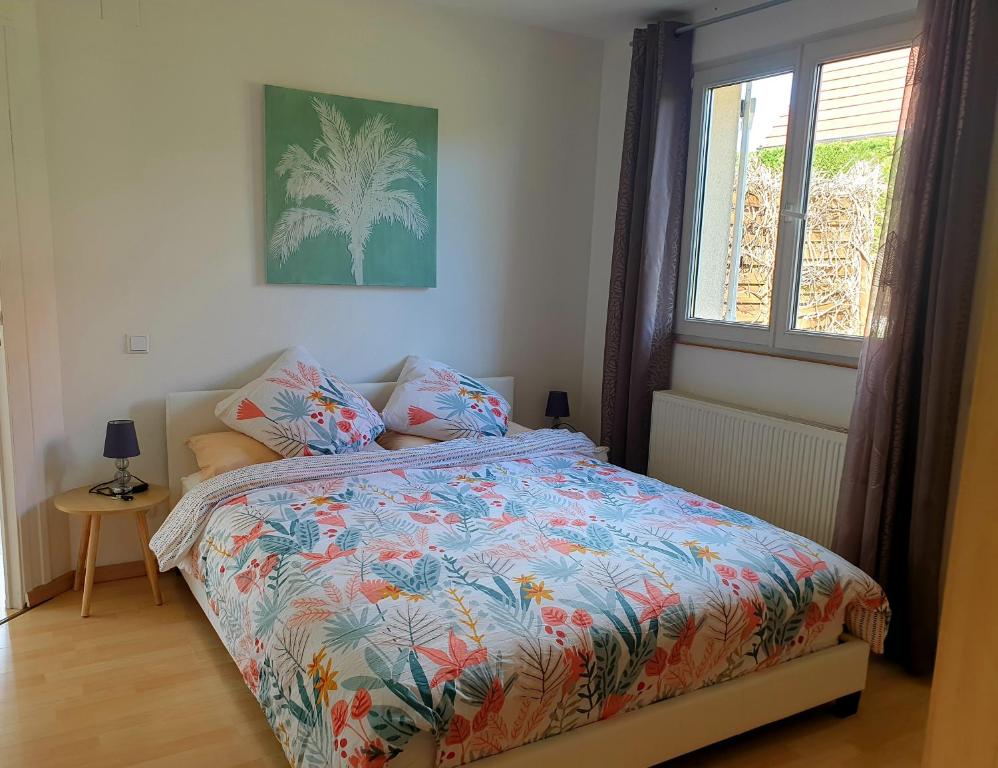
x=834, y=157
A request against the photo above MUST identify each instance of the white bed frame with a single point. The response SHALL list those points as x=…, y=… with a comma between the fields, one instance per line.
x=638, y=739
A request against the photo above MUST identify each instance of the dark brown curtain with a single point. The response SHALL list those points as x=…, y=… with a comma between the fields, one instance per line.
x=640, y=314
x=893, y=502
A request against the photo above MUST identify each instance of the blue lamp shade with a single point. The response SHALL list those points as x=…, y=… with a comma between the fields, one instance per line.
x=557, y=405
x=120, y=441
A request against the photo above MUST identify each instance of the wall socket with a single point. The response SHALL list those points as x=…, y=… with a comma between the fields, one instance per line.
x=136, y=345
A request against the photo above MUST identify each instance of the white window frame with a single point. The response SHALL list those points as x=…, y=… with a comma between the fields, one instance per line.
x=804, y=61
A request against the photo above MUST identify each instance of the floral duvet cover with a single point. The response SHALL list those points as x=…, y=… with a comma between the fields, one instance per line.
x=492, y=593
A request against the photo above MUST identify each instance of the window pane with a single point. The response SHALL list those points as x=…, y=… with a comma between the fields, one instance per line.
x=859, y=105
x=740, y=199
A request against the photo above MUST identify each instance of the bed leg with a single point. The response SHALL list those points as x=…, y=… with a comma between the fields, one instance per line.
x=846, y=706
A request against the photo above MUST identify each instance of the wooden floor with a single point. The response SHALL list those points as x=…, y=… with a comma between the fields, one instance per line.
x=140, y=685
x=886, y=733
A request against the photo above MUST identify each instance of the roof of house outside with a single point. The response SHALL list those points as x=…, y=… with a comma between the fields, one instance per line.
x=857, y=98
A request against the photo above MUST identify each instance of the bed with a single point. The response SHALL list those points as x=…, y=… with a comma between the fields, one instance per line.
x=512, y=601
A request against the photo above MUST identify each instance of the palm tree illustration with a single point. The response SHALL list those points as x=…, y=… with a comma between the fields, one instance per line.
x=356, y=177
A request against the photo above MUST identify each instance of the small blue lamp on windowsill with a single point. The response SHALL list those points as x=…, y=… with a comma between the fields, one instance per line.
x=557, y=409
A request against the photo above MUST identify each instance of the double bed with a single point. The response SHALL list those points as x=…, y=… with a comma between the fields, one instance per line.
x=506, y=601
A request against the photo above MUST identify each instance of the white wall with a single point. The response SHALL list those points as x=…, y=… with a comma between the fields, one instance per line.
x=809, y=391
x=613, y=102
x=802, y=390
x=153, y=123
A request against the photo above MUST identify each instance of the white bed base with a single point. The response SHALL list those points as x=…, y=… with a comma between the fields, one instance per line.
x=637, y=739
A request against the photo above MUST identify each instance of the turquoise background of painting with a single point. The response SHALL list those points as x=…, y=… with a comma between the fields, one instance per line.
x=392, y=255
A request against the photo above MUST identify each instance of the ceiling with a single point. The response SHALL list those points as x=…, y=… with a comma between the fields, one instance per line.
x=593, y=18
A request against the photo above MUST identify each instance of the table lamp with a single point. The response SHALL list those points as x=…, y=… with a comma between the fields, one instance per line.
x=121, y=444
x=557, y=409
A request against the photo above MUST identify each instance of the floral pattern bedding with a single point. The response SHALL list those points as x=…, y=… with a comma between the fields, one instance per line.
x=298, y=408
x=496, y=603
x=436, y=401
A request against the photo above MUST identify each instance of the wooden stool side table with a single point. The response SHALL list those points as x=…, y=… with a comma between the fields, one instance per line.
x=93, y=507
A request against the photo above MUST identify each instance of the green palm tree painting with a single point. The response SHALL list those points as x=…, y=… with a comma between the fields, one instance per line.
x=351, y=190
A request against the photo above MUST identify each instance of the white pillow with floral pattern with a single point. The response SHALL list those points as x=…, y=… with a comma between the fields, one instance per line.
x=434, y=400
x=298, y=408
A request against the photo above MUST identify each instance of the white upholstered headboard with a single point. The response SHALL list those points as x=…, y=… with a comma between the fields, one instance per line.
x=193, y=413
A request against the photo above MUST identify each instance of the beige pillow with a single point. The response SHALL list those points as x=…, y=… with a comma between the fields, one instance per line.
x=218, y=452
x=396, y=441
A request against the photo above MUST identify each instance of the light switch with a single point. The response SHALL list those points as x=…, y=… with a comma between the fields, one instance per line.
x=136, y=345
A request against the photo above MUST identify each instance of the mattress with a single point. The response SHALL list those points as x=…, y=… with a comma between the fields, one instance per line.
x=442, y=604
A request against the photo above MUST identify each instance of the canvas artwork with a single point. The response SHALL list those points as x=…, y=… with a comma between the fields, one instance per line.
x=351, y=190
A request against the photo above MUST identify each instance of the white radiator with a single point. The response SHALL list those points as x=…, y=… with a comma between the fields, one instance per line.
x=786, y=472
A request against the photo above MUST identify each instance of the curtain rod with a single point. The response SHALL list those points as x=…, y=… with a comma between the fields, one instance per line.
x=732, y=15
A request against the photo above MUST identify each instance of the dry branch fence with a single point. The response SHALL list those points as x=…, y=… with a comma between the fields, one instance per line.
x=842, y=225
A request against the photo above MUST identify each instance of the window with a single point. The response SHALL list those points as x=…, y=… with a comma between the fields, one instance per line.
x=735, y=251
x=790, y=156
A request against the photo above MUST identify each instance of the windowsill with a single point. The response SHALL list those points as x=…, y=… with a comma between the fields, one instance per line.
x=754, y=349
